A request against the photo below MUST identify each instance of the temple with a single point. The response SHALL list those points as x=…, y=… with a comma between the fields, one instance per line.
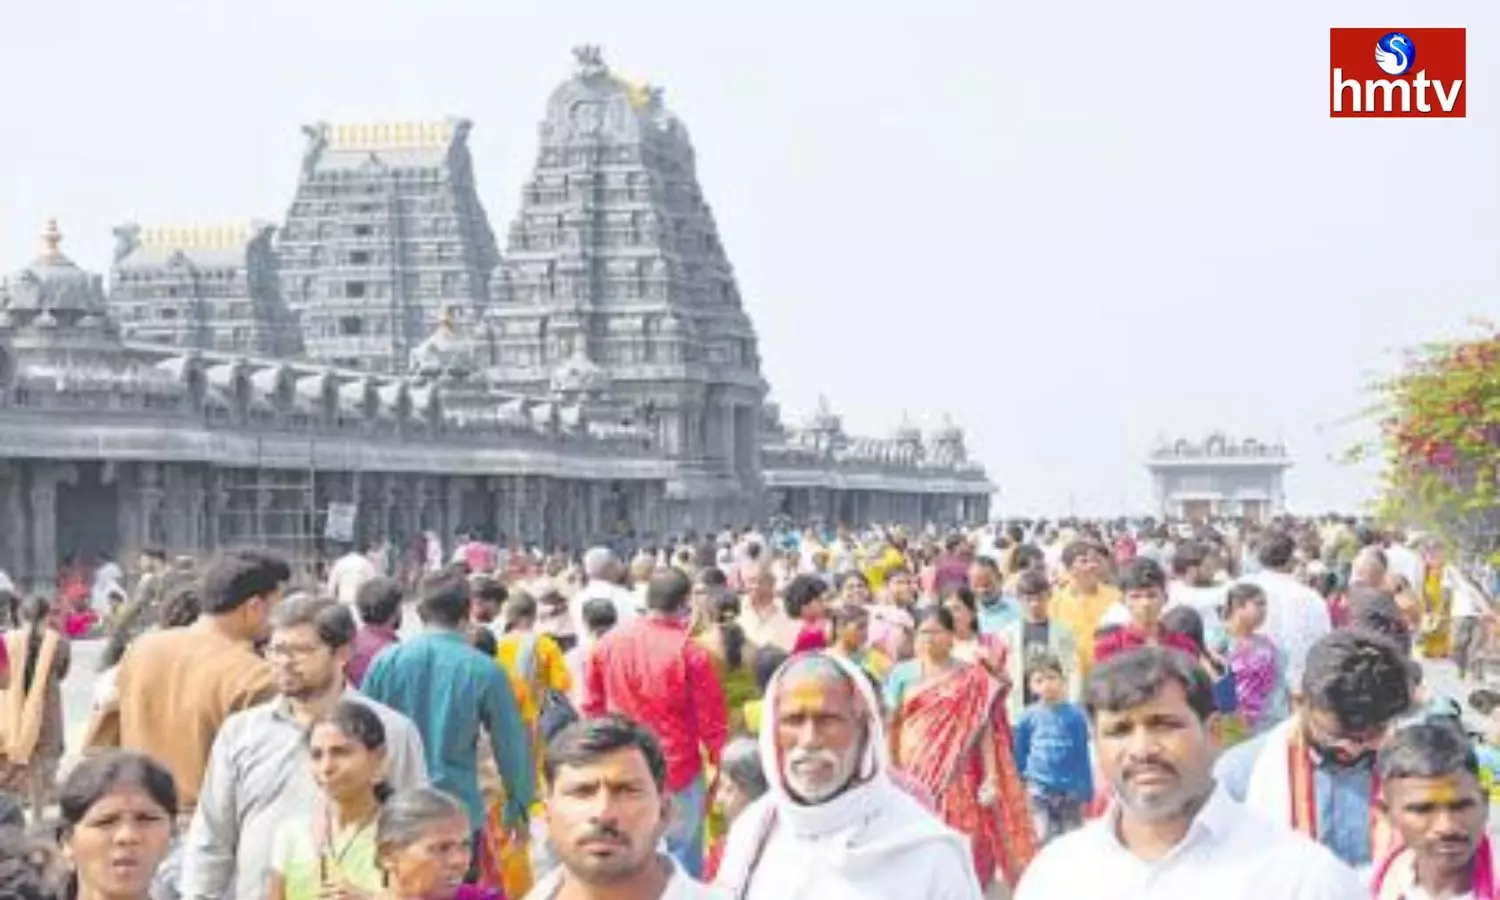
x=1219, y=477
x=375, y=356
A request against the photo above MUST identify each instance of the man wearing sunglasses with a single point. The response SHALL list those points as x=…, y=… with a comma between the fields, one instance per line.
x=1316, y=770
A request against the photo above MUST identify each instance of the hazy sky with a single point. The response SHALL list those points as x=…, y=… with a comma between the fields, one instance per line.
x=1073, y=226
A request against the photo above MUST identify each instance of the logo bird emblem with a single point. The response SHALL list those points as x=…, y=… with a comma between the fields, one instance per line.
x=1395, y=53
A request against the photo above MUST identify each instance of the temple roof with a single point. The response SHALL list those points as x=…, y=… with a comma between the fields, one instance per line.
x=344, y=147
x=1219, y=446
x=204, y=246
x=53, y=285
x=443, y=353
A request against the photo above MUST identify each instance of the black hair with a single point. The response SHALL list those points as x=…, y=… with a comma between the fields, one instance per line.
x=97, y=776
x=1025, y=557
x=1361, y=678
x=34, y=610
x=713, y=576
x=1184, y=621
x=1189, y=555
x=1143, y=574
x=802, y=592
x=378, y=601
x=767, y=660
x=483, y=640
x=521, y=607
x=1073, y=551
x=965, y=595
x=668, y=592
x=1277, y=550
x=358, y=721
x=1433, y=749
x=942, y=614
x=588, y=739
x=332, y=621
x=1135, y=676
x=236, y=578
x=1242, y=593
x=1378, y=613
x=600, y=615
x=844, y=578
x=24, y=863
x=445, y=600
x=1484, y=700
x=1043, y=661
x=1033, y=583
x=483, y=587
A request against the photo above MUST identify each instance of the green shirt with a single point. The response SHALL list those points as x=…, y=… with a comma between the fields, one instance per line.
x=301, y=859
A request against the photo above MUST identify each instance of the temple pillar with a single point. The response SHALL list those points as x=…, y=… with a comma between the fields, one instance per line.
x=45, y=477
x=13, y=542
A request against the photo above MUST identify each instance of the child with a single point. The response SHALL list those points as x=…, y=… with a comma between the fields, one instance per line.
x=1252, y=657
x=1052, y=751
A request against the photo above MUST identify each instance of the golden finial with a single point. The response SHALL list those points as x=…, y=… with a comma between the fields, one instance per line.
x=51, y=238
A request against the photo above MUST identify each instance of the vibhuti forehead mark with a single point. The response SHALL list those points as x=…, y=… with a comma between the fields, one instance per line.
x=804, y=692
x=1443, y=794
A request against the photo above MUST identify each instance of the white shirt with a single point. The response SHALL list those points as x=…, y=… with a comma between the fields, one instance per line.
x=1468, y=603
x=348, y=574
x=622, y=598
x=681, y=886
x=1296, y=617
x=1405, y=562
x=1207, y=602
x=1229, y=853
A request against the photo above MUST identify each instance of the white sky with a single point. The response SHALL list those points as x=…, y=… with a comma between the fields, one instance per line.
x=1073, y=226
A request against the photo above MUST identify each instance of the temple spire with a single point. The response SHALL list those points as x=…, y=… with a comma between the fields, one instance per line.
x=51, y=240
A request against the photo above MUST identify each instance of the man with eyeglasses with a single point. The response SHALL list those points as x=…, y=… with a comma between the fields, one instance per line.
x=1316, y=770
x=259, y=772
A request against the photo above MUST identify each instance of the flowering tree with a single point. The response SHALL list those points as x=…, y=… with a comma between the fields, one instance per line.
x=1440, y=441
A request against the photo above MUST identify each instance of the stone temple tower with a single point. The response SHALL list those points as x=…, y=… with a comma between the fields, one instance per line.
x=614, y=262
x=386, y=231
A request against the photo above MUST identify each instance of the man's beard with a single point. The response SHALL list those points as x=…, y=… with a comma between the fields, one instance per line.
x=816, y=789
x=308, y=688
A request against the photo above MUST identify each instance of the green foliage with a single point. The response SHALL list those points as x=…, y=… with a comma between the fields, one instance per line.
x=1440, y=440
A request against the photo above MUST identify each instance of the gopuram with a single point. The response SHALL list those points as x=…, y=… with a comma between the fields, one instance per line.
x=378, y=355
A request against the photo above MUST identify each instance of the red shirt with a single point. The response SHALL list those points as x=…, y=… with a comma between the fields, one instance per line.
x=369, y=640
x=1111, y=641
x=650, y=671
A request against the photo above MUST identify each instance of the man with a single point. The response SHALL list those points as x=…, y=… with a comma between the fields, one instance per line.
x=1035, y=633
x=1315, y=771
x=833, y=824
x=350, y=571
x=488, y=598
x=1470, y=610
x=1296, y=615
x=603, y=570
x=653, y=672
x=1086, y=603
x=451, y=691
x=607, y=809
x=1432, y=798
x=259, y=773
x=1172, y=833
x=176, y=686
x=996, y=611
x=762, y=619
x=1194, y=584
x=379, y=605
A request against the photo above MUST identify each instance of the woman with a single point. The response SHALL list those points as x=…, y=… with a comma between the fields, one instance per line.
x=851, y=640
x=1437, y=624
x=423, y=845
x=949, y=731
x=854, y=588
x=741, y=781
x=332, y=848
x=733, y=656
x=117, y=810
x=961, y=604
x=32, y=713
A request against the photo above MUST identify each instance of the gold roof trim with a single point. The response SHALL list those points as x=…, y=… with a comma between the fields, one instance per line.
x=391, y=136
x=196, y=237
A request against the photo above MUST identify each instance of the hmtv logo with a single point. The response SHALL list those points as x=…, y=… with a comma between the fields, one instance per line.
x=1409, y=73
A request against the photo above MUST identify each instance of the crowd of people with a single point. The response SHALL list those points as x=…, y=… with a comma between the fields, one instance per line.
x=1039, y=710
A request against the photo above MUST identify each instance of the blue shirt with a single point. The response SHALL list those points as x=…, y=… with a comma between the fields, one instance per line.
x=1052, y=750
x=449, y=690
x=996, y=614
x=1343, y=798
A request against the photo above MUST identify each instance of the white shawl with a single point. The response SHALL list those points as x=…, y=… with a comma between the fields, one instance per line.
x=1270, y=788
x=871, y=842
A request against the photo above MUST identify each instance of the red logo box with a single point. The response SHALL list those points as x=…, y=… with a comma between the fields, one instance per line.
x=1433, y=87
